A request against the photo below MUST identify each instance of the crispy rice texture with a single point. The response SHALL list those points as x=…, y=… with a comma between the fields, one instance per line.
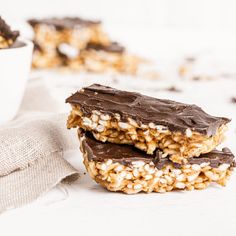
x=146, y=137
x=142, y=177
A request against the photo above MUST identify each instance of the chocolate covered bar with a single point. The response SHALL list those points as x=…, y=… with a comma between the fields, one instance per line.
x=80, y=45
x=124, y=168
x=74, y=31
x=179, y=130
x=7, y=36
x=71, y=34
x=103, y=58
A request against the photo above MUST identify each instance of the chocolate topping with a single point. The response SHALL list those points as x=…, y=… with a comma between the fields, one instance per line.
x=143, y=109
x=6, y=32
x=215, y=158
x=126, y=154
x=63, y=23
x=112, y=47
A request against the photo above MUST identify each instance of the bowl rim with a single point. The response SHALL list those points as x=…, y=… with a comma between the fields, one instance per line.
x=27, y=43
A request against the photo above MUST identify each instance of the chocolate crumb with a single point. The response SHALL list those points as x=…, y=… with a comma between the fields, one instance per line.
x=190, y=59
x=233, y=100
x=196, y=78
x=173, y=89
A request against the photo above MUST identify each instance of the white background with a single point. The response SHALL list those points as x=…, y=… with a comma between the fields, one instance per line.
x=207, y=14
x=165, y=30
x=155, y=28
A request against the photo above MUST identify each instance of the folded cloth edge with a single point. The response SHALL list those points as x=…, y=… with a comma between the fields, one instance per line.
x=25, y=185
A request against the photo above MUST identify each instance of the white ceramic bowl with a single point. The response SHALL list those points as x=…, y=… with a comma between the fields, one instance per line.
x=15, y=64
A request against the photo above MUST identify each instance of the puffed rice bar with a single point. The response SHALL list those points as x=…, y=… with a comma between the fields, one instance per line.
x=121, y=168
x=179, y=130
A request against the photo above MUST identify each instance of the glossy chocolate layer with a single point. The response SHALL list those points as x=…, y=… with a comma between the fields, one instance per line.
x=112, y=47
x=6, y=32
x=125, y=154
x=143, y=109
x=63, y=23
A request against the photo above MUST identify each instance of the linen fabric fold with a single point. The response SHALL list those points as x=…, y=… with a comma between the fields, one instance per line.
x=31, y=158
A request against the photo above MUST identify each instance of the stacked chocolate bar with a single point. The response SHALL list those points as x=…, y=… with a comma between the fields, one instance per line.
x=134, y=143
x=7, y=36
x=78, y=44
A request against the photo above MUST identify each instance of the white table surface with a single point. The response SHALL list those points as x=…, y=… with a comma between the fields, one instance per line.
x=84, y=208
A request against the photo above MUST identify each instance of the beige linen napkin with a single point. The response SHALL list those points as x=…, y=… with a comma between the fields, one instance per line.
x=31, y=150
